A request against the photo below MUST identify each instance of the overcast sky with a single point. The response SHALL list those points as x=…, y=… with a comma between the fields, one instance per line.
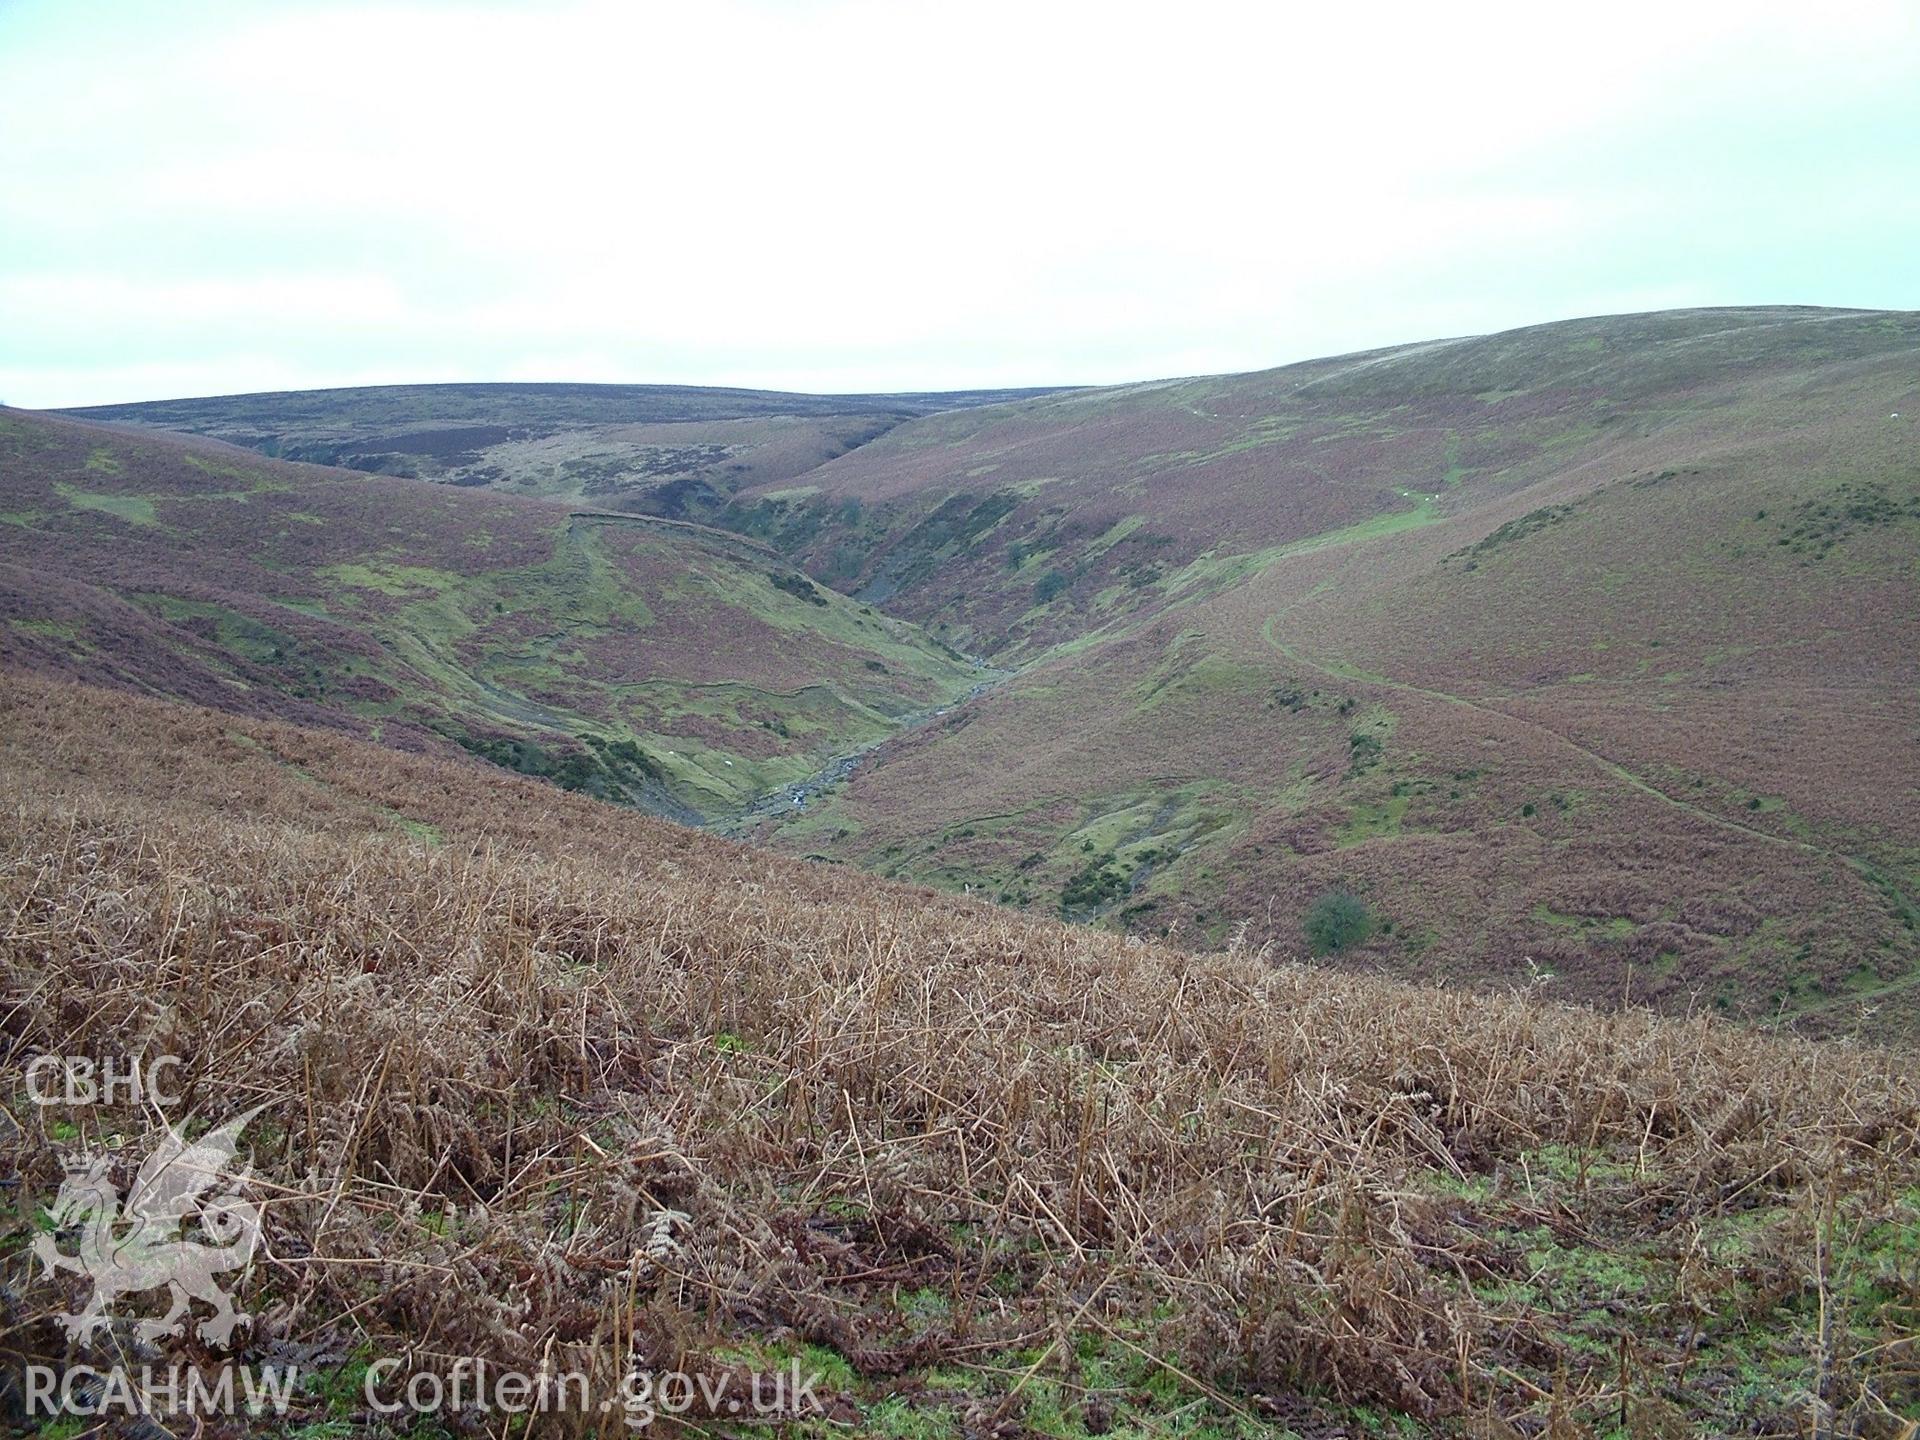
x=208, y=198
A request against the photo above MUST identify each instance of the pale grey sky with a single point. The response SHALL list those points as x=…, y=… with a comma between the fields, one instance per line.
x=207, y=198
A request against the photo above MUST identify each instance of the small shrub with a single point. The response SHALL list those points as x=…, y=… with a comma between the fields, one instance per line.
x=1363, y=749
x=797, y=586
x=1097, y=883
x=1338, y=920
x=1052, y=584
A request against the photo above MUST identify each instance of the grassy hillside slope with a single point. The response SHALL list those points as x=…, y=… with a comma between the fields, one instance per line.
x=1590, y=650
x=1587, y=651
x=557, y=1086
x=1015, y=525
x=643, y=659
x=663, y=449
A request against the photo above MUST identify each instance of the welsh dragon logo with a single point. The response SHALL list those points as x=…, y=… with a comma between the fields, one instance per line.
x=145, y=1245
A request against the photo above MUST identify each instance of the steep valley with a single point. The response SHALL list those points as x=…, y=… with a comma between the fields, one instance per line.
x=1584, y=656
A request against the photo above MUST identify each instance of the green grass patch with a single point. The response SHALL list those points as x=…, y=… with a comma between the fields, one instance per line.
x=1376, y=820
x=1616, y=927
x=388, y=579
x=133, y=509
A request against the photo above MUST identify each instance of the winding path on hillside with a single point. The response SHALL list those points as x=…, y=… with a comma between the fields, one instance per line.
x=1868, y=872
x=1594, y=757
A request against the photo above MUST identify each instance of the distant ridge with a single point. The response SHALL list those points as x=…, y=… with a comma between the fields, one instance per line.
x=559, y=402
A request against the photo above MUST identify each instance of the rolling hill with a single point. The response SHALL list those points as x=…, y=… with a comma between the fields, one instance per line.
x=1590, y=650
x=658, y=662
x=666, y=449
